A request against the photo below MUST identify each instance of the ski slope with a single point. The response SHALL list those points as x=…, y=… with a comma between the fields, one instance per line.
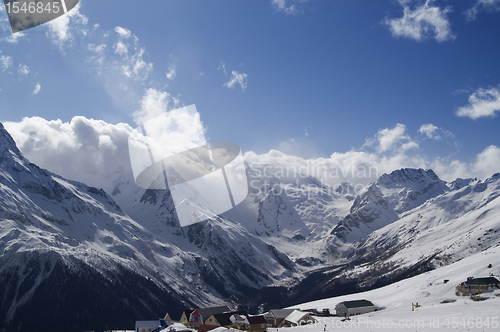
x=429, y=290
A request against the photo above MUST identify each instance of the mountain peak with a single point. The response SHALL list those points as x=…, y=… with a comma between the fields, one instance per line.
x=408, y=175
x=7, y=143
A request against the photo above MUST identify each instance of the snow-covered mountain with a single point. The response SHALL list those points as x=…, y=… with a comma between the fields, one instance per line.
x=292, y=239
x=384, y=202
x=448, y=227
x=462, y=220
x=57, y=233
x=293, y=213
x=70, y=256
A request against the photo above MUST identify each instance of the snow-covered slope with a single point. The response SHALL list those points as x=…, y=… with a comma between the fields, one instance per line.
x=453, y=225
x=223, y=253
x=384, y=202
x=62, y=241
x=446, y=228
x=293, y=213
x=430, y=291
x=72, y=232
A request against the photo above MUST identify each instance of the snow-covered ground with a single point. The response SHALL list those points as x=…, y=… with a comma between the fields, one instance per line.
x=429, y=290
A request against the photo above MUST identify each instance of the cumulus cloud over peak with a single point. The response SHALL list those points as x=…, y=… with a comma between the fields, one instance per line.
x=487, y=162
x=363, y=167
x=425, y=21
x=96, y=153
x=90, y=151
x=388, y=137
x=85, y=150
x=482, y=103
x=392, y=140
x=153, y=103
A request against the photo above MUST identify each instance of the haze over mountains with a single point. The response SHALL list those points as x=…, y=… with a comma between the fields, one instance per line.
x=96, y=258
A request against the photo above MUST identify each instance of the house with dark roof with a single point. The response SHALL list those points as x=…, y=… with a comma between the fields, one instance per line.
x=476, y=286
x=257, y=323
x=350, y=308
x=199, y=316
x=223, y=319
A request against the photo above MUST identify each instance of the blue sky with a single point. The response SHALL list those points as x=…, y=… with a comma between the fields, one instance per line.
x=308, y=78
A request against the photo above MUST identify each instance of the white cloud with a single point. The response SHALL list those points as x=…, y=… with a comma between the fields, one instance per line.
x=433, y=132
x=124, y=33
x=171, y=72
x=23, y=70
x=98, y=49
x=289, y=7
x=409, y=145
x=99, y=53
x=122, y=67
x=450, y=169
x=5, y=61
x=121, y=48
x=487, y=5
x=237, y=78
x=387, y=151
x=363, y=167
x=62, y=28
x=425, y=21
x=392, y=140
x=14, y=37
x=140, y=68
x=154, y=103
x=223, y=67
x=357, y=167
x=85, y=150
x=487, y=162
x=388, y=137
x=482, y=103
x=131, y=65
x=37, y=88
x=93, y=151
x=429, y=130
